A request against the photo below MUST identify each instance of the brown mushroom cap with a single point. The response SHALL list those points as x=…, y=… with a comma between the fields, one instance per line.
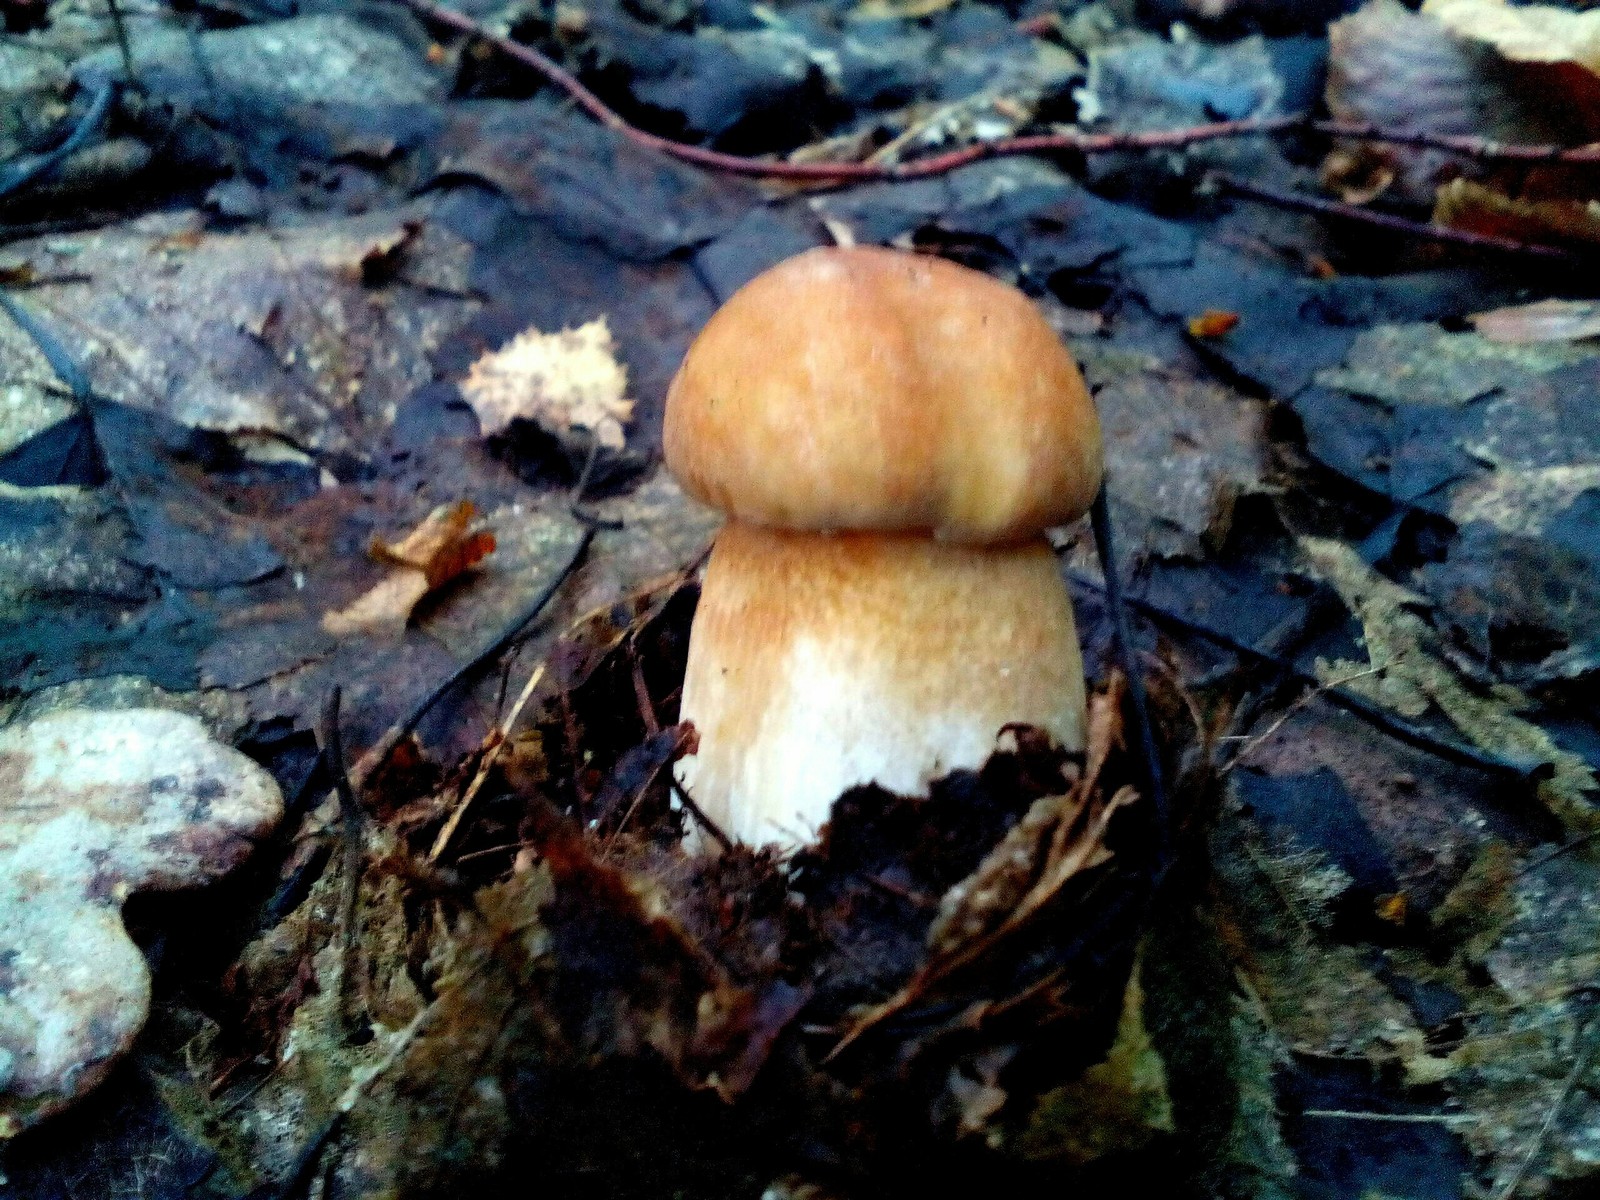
x=871, y=389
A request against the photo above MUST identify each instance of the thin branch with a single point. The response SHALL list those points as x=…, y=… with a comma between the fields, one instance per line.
x=937, y=164
x=699, y=814
x=501, y=738
x=1100, y=518
x=843, y=172
x=41, y=165
x=1231, y=184
x=1583, y=1059
x=1468, y=147
x=1396, y=727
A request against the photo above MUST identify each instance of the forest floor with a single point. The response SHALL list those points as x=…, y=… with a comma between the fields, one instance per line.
x=1331, y=280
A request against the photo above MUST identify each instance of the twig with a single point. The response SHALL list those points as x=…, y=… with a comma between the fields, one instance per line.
x=1468, y=147
x=698, y=813
x=1343, y=1114
x=841, y=172
x=1561, y=851
x=124, y=47
x=72, y=376
x=638, y=796
x=501, y=740
x=351, y=823
x=374, y=758
x=1396, y=727
x=1100, y=520
x=41, y=165
x=66, y=368
x=1251, y=741
x=1071, y=142
x=1582, y=1060
x=1230, y=184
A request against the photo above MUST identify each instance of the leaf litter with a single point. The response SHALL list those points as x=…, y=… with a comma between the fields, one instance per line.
x=191, y=527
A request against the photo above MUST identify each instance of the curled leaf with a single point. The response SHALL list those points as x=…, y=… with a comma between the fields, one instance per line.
x=432, y=554
x=560, y=381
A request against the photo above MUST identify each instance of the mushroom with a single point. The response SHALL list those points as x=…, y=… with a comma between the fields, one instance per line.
x=889, y=436
x=96, y=806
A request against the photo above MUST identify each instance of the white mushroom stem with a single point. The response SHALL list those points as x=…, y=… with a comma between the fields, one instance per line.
x=821, y=661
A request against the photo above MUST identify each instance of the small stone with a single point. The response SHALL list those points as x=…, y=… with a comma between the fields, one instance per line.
x=94, y=806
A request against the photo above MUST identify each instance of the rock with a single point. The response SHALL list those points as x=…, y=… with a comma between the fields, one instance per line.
x=99, y=805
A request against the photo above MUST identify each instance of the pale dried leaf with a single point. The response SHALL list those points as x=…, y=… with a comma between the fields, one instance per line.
x=1393, y=67
x=561, y=381
x=1544, y=321
x=1531, y=33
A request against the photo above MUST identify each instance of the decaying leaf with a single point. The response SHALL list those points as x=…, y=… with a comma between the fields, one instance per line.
x=561, y=381
x=1394, y=67
x=1058, y=838
x=1115, y=1106
x=1411, y=678
x=1523, y=500
x=1479, y=208
x=431, y=555
x=1541, y=321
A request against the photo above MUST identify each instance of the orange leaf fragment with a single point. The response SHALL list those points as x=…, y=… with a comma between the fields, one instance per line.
x=1212, y=323
x=435, y=552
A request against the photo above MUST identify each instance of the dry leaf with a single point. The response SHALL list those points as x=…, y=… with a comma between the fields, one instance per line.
x=1212, y=323
x=1545, y=321
x=1462, y=204
x=1058, y=838
x=1559, y=49
x=561, y=381
x=428, y=557
x=1390, y=66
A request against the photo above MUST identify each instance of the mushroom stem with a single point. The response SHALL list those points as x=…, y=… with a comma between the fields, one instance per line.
x=818, y=662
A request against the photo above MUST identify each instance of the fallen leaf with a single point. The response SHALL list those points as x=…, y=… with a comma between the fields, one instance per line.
x=1390, y=66
x=440, y=547
x=560, y=381
x=1212, y=323
x=1117, y=1105
x=1479, y=208
x=1562, y=47
x=1543, y=321
x=428, y=557
x=1057, y=839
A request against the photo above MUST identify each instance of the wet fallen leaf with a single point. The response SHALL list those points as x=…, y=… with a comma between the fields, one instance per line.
x=560, y=381
x=431, y=555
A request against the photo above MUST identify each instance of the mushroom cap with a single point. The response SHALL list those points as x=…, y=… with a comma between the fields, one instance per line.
x=871, y=389
x=818, y=662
